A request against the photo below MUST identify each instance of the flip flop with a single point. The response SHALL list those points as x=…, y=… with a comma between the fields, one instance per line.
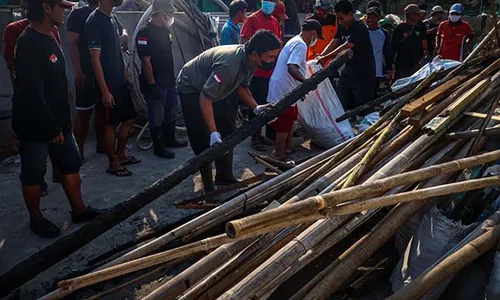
x=257, y=145
x=122, y=172
x=131, y=160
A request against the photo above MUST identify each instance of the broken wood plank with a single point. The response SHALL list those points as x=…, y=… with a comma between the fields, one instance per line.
x=435, y=95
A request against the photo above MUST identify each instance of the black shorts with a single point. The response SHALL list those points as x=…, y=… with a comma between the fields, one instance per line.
x=33, y=155
x=87, y=96
x=124, y=107
x=259, y=88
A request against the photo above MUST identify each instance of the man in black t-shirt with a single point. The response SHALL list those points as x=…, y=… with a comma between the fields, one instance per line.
x=409, y=43
x=87, y=91
x=103, y=32
x=357, y=81
x=41, y=114
x=154, y=47
x=438, y=14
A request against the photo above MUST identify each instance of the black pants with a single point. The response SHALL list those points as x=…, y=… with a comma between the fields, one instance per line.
x=353, y=96
x=225, y=120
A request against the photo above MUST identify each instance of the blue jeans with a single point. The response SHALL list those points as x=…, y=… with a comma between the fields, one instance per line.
x=34, y=158
x=164, y=109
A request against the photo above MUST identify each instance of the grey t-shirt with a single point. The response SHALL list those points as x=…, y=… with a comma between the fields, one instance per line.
x=216, y=73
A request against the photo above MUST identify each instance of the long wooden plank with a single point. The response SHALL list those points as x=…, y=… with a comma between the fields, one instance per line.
x=435, y=95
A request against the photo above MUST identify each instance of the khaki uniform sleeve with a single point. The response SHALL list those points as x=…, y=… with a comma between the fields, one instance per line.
x=217, y=83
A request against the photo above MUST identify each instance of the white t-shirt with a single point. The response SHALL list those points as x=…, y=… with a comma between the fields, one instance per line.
x=281, y=82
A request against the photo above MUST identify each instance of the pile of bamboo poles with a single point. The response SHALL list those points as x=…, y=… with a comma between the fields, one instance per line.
x=416, y=155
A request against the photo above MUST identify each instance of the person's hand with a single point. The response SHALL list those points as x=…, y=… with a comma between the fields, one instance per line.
x=153, y=91
x=390, y=75
x=261, y=108
x=108, y=100
x=321, y=60
x=59, y=139
x=79, y=79
x=215, y=138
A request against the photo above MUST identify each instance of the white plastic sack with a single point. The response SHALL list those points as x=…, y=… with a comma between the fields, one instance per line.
x=317, y=114
x=436, y=64
x=434, y=237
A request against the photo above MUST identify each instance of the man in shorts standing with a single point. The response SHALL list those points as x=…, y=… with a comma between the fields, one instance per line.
x=41, y=115
x=103, y=32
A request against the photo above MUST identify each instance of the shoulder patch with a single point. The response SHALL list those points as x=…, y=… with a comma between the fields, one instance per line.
x=142, y=41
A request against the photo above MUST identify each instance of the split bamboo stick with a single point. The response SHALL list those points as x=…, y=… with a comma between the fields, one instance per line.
x=422, y=194
x=490, y=131
x=314, y=204
x=481, y=116
x=449, y=266
x=493, y=106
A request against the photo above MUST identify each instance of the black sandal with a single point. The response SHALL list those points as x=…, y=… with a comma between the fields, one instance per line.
x=121, y=172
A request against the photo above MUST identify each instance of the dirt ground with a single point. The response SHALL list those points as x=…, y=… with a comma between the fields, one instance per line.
x=100, y=190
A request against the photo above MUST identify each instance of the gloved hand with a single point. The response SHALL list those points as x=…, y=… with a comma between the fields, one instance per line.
x=153, y=91
x=261, y=108
x=215, y=138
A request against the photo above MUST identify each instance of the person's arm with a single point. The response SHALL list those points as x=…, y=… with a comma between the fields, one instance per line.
x=246, y=97
x=334, y=44
x=388, y=57
x=438, y=40
x=95, y=41
x=395, y=43
x=296, y=58
x=147, y=69
x=29, y=89
x=9, y=44
x=425, y=47
x=124, y=39
x=74, y=54
x=334, y=53
x=207, y=112
x=247, y=30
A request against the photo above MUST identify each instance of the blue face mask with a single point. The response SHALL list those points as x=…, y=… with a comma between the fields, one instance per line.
x=268, y=7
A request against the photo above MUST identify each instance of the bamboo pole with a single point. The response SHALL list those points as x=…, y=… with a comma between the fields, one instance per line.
x=493, y=11
x=314, y=204
x=343, y=269
x=362, y=166
x=449, y=266
x=493, y=106
x=490, y=131
x=442, y=190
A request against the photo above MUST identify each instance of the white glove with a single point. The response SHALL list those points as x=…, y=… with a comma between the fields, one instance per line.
x=215, y=138
x=261, y=108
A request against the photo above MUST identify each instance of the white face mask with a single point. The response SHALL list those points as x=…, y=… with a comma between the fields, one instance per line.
x=313, y=42
x=455, y=18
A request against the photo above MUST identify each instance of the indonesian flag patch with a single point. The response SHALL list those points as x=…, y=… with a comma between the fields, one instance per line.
x=142, y=41
x=218, y=78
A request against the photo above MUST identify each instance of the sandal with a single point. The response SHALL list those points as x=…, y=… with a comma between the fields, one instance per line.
x=257, y=145
x=131, y=160
x=122, y=172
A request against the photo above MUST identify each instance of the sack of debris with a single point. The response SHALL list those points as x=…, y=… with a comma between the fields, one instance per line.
x=317, y=114
x=435, y=236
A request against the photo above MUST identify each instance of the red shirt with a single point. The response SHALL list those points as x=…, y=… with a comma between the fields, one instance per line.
x=257, y=21
x=10, y=36
x=453, y=38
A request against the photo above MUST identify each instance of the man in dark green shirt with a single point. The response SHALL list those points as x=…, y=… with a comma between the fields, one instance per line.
x=208, y=79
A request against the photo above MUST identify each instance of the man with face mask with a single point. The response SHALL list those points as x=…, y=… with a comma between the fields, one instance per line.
x=290, y=71
x=208, y=79
x=328, y=21
x=154, y=47
x=453, y=35
x=103, y=32
x=438, y=14
x=262, y=19
x=357, y=81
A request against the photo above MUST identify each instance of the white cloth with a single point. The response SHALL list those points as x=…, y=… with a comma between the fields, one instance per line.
x=281, y=82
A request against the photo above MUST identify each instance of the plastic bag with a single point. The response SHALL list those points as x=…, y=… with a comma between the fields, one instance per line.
x=368, y=121
x=493, y=288
x=434, y=237
x=435, y=65
x=317, y=114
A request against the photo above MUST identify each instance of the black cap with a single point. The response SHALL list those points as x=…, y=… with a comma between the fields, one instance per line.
x=311, y=24
x=374, y=10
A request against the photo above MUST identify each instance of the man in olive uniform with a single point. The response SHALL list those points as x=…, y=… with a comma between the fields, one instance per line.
x=154, y=47
x=211, y=77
